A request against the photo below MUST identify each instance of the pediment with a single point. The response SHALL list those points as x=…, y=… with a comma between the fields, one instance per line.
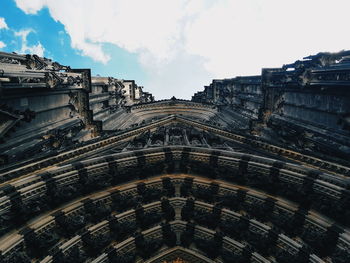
x=179, y=131
x=139, y=114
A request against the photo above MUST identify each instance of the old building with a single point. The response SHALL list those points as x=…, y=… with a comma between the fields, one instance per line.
x=252, y=169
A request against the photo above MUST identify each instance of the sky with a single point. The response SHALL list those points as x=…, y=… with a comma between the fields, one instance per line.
x=174, y=47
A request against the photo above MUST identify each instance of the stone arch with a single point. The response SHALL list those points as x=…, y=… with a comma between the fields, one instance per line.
x=198, y=187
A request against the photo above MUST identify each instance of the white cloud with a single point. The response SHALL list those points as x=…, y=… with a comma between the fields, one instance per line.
x=2, y=44
x=31, y=6
x=138, y=26
x=241, y=37
x=3, y=24
x=228, y=37
x=34, y=49
x=180, y=77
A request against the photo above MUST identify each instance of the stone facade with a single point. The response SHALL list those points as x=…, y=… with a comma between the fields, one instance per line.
x=304, y=106
x=94, y=170
x=46, y=107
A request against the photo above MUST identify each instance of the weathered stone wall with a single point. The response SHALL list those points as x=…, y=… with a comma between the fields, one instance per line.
x=173, y=178
x=304, y=105
x=46, y=107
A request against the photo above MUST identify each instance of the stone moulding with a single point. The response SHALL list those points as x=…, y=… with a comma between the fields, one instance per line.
x=46, y=223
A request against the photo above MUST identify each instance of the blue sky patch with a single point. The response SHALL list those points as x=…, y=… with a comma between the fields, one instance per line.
x=57, y=44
